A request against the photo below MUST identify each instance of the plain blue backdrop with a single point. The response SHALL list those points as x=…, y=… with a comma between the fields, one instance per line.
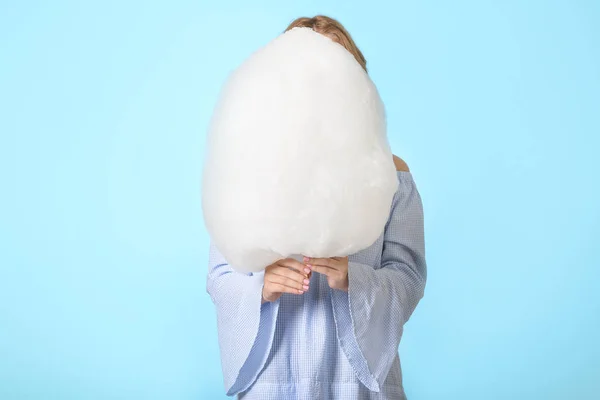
x=495, y=105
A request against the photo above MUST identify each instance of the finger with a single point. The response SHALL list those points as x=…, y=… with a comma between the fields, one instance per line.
x=307, y=269
x=323, y=270
x=291, y=263
x=289, y=281
x=294, y=264
x=324, y=262
x=289, y=273
x=282, y=280
x=281, y=288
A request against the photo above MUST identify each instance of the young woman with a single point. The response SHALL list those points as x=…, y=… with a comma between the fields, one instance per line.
x=324, y=328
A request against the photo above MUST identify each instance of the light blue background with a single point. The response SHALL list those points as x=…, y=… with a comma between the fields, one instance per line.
x=495, y=105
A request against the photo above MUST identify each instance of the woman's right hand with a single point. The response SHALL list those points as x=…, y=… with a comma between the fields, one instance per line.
x=285, y=276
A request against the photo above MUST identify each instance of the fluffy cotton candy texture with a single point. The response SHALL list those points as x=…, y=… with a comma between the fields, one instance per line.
x=297, y=159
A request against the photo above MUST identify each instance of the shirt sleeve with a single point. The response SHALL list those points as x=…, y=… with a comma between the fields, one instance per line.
x=245, y=326
x=370, y=317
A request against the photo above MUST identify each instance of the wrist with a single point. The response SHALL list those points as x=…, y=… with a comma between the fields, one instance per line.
x=342, y=286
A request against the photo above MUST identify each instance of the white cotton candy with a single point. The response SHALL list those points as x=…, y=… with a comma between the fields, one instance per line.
x=298, y=161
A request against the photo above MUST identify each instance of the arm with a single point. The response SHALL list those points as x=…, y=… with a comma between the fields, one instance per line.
x=380, y=300
x=245, y=324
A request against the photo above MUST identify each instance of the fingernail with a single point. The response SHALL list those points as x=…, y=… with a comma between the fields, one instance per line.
x=305, y=287
x=306, y=281
x=300, y=291
x=306, y=259
x=307, y=270
x=308, y=266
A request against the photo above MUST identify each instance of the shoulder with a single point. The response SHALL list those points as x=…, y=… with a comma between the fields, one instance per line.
x=400, y=164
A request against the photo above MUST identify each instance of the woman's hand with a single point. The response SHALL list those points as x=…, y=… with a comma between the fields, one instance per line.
x=335, y=268
x=284, y=276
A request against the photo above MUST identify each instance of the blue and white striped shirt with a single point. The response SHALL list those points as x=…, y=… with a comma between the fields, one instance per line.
x=326, y=343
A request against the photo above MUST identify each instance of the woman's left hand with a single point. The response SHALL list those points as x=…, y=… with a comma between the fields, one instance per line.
x=335, y=268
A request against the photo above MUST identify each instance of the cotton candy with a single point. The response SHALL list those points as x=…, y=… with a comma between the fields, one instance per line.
x=297, y=158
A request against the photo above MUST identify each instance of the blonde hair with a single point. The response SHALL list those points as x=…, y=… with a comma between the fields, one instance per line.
x=334, y=30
